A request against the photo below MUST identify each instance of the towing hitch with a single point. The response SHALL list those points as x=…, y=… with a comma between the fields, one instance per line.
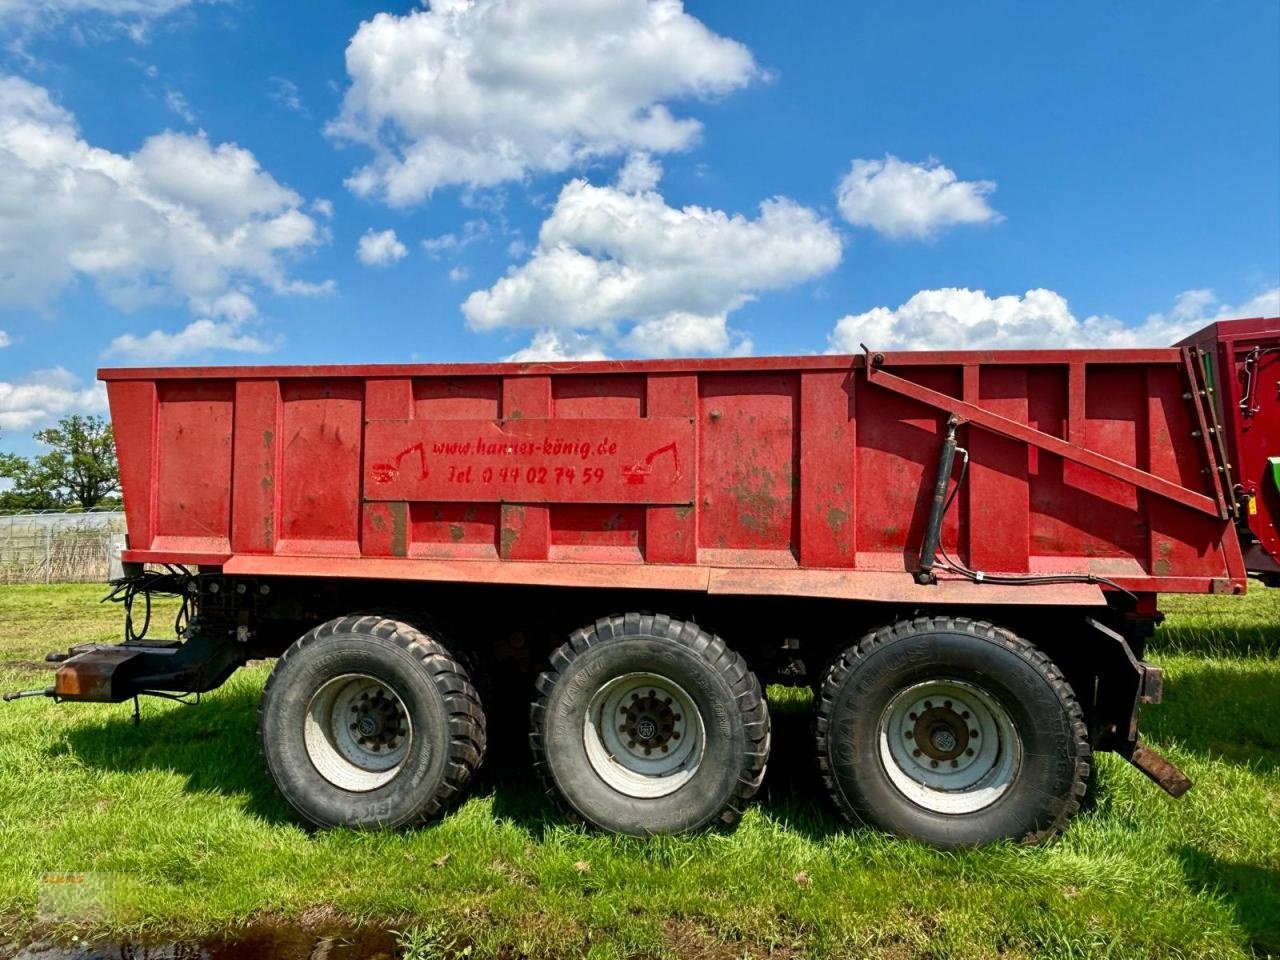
x=115, y=672
x=19, y=694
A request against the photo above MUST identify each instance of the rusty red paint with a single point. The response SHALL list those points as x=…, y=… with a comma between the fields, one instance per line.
x=807, y=476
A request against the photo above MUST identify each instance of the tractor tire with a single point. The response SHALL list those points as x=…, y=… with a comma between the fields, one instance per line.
x=647, y=725
x=368, y=722
x=951, y=731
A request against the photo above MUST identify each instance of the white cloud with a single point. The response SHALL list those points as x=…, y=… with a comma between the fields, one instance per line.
x=1265, y=304
x=176, y=101
x=198, y=337
x=684, y=334
x=961, y=319
x=379, y=248
x=45, y=395
x=222, y=329
x=5, y=340
x=656, y=280
x=472, y=231
x=458, y=274
x=478, y=92
x=641, y=172
x=911, y=200
x=550, y=345
x=180, y=220
x=284, y=92
x=131, y=16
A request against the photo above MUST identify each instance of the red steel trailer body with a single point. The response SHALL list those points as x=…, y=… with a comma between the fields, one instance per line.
x=956, y=507
x=795, y=476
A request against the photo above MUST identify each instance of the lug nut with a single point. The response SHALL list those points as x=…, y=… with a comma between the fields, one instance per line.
x=973, y=733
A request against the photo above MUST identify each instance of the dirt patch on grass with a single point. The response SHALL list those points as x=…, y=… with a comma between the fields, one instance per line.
x=256, y=943
x=696, y=941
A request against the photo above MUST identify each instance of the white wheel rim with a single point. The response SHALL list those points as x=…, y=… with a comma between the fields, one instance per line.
x=643, y=735
x=949, y=746
x=357, y=732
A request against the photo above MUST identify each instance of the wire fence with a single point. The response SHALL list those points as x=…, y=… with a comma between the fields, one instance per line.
x=58, y=547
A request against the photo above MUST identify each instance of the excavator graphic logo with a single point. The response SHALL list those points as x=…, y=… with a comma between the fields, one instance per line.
x=639, y=471
x=386, y=471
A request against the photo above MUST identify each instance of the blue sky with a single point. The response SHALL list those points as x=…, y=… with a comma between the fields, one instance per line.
x=931, y=174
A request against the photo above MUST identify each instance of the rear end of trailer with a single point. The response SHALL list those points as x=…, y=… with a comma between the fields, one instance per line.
x=960, y=553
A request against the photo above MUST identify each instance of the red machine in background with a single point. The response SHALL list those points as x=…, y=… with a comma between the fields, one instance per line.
x=961, y=552
x=1238, y=360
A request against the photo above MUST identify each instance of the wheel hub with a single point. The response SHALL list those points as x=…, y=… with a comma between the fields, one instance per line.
x=949, y=746
x=643, y=735
x=357, y=732
x=379, y=721
x=649, y=722
x=941, y=733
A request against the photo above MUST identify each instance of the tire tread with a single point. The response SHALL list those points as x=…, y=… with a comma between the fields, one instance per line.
x=840, y=667
x=465, y=717
x=708, y=647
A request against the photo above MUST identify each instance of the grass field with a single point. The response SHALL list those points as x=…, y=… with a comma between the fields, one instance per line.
x=184, y=836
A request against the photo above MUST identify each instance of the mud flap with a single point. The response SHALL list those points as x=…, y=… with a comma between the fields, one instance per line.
x=1134, y=683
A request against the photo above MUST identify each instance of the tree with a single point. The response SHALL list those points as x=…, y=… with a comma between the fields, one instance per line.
x=80, y=467
x=27, y=491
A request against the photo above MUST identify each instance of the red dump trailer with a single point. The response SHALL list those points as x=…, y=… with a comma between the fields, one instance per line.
x=959, y=552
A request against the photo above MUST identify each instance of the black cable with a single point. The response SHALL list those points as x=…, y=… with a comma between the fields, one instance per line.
x=183, y=616
x=129, y=633
x=1010, y=579
x=173, y=581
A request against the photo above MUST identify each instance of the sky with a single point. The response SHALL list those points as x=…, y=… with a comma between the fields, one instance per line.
x=195, y=181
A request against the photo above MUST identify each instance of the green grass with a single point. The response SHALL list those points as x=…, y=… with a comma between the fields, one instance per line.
x=185, y=837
